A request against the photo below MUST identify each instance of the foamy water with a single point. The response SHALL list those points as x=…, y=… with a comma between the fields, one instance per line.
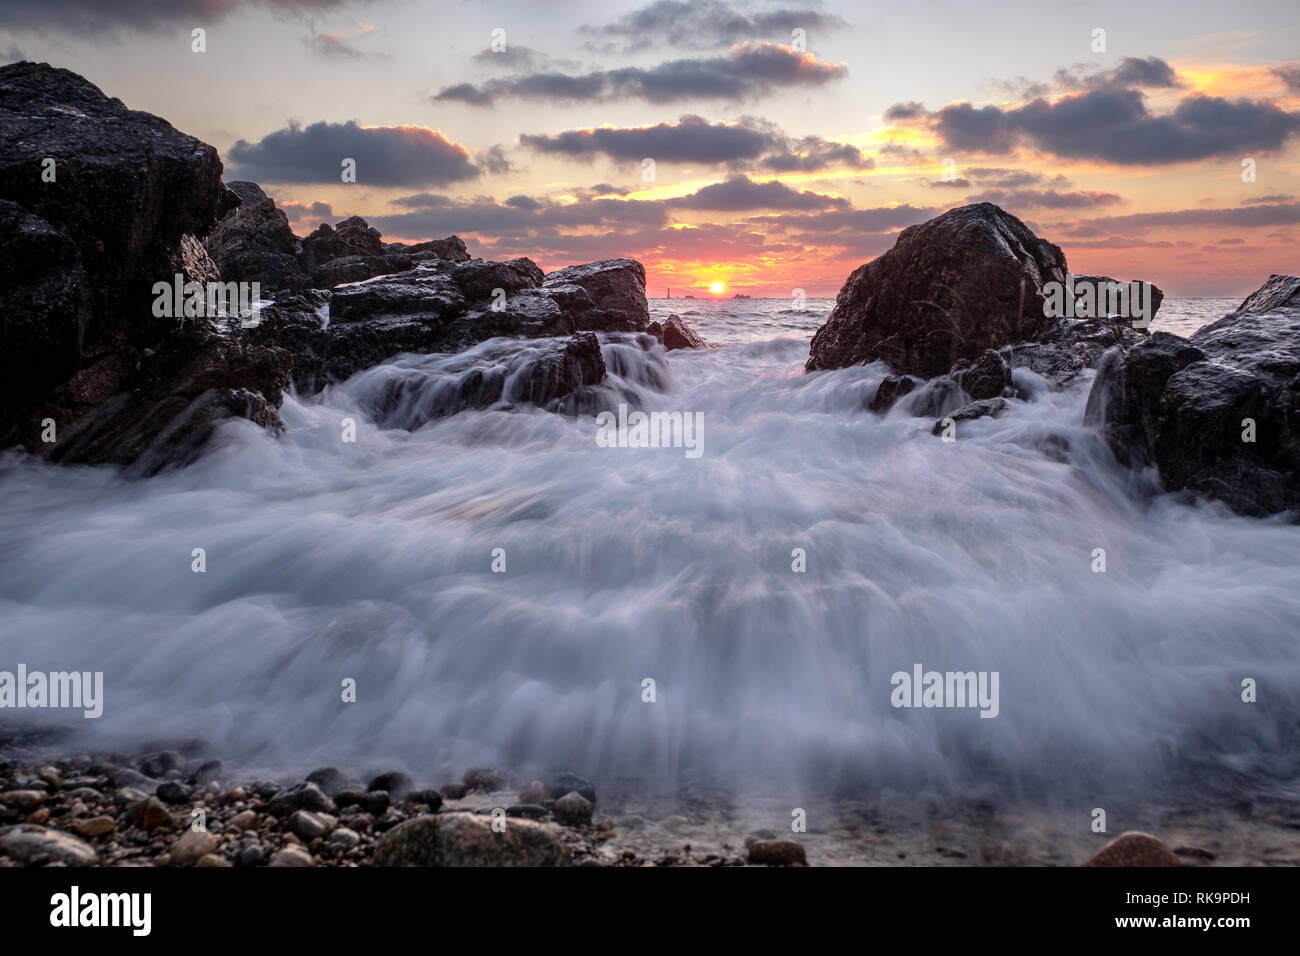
x=372, y=560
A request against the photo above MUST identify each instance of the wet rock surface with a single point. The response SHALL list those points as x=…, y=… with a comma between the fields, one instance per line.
x=1218, y=413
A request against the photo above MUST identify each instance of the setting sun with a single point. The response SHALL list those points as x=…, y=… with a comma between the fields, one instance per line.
x=716, y=287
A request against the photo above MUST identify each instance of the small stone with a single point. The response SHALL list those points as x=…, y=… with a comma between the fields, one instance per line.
x=96, y=826
x=250, y=854
x=128, y=795
x=308, y=825
x=148, y=814
x=156, y=765
x=291, y=856
x=304, y=796
x=1133, y=848
x=572, y=809
x=331, y=781
x=212, y=859
x=246, y=820
x=173, y=792
x=192, y=845
x=777, y=853
x=345, y=838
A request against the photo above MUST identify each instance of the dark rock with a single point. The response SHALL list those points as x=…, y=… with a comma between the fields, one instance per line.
x=430, y=798
x=395, y=783
x=1182, y=404
x=991, y=407
x=352, y=237
x=1071, y=345
x=1083, y=282
x=951, y=288
x=528, y=811
x=462, y=839
x=1133, y=848
x=205, y=773
x=616, y=288
x=777, y=853
x=427, y=293
x=253, y=243
x=987, y=377
x=148, y=814
x=890, y=390
x=454, y=791
x=452, y=249
x=358, y=268
x=676, y=334
x=173, y=792
x=304, y=796
x=331, y=781
x=572, y=810
x=567, y=782
x=157, y=764
x=83, y=252
x=250, y=854
x=479, y=279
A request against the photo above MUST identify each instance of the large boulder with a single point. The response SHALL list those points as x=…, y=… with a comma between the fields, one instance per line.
x=96, y=200
x=615, y=289
x=463, y=839
x=1218, y=413
x=951, y=288
x=253, y=242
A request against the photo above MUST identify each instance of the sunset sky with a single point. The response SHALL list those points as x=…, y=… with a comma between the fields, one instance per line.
x=775, y=167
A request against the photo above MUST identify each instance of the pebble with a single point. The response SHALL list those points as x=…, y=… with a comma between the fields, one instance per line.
x=304, y=796
x=291, y=856
x=37, y=845
x=396, y=783
x=96, y=826
x=310, y=825
x=173, y=792
x=247, y=820
x=212, y=859
x=345, y=838
x=192, y=845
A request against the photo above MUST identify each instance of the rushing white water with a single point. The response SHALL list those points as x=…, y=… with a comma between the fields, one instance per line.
x=372, y=560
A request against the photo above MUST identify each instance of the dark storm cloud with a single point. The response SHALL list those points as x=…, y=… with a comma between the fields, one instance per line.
x=1115, y=126
x=101, y=16
x=704, y=24
x=695, y=140
x=385, y=155
x=741, y=193
x=743, y=73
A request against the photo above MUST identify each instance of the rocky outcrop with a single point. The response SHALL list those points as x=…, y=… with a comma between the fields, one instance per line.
x=253, y=242
x=120, y=208
x=605, y=296
x=952, y=288
x=674, y=333
x=452, y=249
x=1218, y=414
x=1097, y=286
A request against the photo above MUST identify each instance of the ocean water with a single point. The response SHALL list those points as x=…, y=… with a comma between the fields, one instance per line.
x=372, y=561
